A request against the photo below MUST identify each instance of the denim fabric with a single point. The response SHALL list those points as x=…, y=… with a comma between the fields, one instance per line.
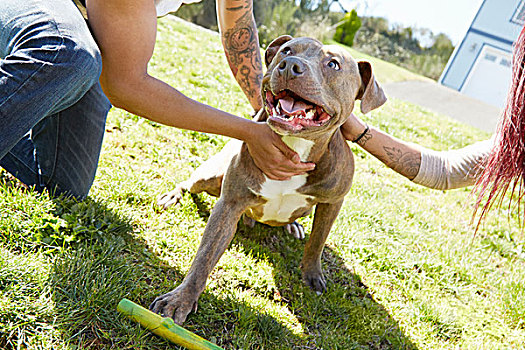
x=52, y=109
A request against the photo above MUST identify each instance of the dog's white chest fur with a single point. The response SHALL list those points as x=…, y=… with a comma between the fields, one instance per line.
x=282, y=198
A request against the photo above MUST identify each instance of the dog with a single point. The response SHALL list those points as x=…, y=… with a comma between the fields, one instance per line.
x=309, y=91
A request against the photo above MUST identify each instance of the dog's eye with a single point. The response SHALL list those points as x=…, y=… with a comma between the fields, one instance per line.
x=333, y=64
x=286, y=51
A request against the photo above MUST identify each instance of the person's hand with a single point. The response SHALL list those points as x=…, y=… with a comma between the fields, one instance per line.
x=353, y=127
x=273, y=156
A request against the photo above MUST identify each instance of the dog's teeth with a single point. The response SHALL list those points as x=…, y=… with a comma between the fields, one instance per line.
x=310, y=114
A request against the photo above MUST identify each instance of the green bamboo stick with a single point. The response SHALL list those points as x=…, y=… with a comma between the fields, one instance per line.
x=164, y=327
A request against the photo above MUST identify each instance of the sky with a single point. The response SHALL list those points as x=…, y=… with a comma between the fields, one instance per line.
x=452, y=17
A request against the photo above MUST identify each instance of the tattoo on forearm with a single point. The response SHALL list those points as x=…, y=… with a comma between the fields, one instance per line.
x=241, y=44
x=367, y=136
x=406, y=164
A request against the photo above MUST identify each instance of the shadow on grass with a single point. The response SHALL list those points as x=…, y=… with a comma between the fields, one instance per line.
x=95, y=272
x=104, y=263
x=346, y=313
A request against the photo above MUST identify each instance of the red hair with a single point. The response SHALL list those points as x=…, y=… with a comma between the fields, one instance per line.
x=504, y=168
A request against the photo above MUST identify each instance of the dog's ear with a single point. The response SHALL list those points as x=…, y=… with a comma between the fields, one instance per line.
x=274, y=46
x=371, y=94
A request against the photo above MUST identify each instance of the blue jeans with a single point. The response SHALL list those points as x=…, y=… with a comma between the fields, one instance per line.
x=52, y=109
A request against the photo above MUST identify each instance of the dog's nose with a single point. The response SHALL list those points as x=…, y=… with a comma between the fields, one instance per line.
x=291, y=67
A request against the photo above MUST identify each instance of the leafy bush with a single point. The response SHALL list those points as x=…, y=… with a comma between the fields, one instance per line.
x=347, y=29
x=317, y=27
x=279, y=20
x=402, y=47
x=399, y=46
x=275, y=18
x=430, y=65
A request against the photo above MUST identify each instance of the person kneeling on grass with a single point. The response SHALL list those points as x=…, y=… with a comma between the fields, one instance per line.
x=52, y=106
x=493, y=165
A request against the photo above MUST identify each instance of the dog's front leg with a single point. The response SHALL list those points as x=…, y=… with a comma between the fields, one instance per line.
x=324, y=217
x=217, y=236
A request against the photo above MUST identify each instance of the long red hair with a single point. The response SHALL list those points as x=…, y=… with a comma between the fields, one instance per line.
x=504, y=169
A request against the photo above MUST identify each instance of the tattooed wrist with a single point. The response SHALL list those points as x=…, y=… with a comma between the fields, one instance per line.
x=362, y=135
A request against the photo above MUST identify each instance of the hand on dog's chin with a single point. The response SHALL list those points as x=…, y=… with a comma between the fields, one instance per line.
x=272, y=156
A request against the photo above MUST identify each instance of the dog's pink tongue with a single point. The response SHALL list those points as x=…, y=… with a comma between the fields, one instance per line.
x=291, y=106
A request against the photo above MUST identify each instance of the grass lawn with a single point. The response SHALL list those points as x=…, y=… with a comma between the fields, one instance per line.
x=404, y=270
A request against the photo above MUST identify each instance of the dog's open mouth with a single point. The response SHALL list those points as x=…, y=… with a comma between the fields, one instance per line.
x=289, y=108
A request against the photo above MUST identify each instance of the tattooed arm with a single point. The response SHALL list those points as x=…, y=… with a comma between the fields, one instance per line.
x=443, y=170
x=403, y=157
x=241, y=46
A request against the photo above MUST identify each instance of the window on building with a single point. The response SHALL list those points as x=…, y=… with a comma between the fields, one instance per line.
x=490, y=57
x=519, y=15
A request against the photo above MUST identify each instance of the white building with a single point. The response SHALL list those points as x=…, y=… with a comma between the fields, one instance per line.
x=480, y=66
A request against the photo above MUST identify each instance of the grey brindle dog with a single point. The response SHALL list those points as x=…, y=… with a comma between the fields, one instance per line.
x=309, y=91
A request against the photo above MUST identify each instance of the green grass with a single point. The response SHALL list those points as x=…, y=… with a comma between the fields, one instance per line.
x=403, y=267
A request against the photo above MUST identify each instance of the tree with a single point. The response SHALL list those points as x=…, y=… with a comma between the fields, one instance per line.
x=279, y=19
x=320, y=7
x=377, y=25
x=442, y=46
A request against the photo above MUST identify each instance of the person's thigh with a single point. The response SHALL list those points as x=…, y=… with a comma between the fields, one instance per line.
x=49, y=73
x=68, y=144
x=62, y=151
x=48, y=62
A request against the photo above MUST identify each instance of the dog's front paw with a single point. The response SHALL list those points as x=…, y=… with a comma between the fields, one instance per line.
x=295, y=229
x=176, y=304
x=315, y=280
x=170, y=198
